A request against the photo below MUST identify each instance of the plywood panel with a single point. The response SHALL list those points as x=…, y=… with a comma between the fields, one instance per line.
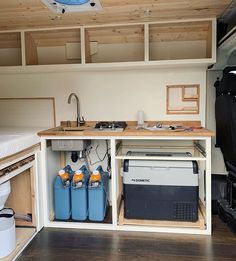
x=31, y=50
x=10, y=49
x=200, y=223
x=55, y=37
x=33, y=13
x=10, y=40
x=180, y=40
x=116, y=44
x=50, y=47
x=108, y=35
x=22, y=196
x=31, y=112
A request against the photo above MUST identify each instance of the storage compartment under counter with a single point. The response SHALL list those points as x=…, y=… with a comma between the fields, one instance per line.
x=161, y=185
x=20, y=173
x=22, y=198
x=161, y=206
x=61, y=201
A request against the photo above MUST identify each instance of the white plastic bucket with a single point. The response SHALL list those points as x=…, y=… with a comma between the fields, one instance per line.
x=7, y=232
x=5, y=190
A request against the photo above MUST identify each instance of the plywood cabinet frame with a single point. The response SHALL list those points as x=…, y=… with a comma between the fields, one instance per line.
x=146, y=63
x=203, y=228
x=25, y=231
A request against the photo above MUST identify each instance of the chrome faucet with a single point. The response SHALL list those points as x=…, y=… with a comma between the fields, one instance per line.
x=80, y=120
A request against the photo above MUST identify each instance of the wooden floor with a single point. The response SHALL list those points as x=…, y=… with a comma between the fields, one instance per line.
x=66, y=245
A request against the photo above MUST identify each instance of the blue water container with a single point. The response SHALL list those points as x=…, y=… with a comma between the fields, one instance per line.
x=79, y=194
x=61, y=190
x=98, y=196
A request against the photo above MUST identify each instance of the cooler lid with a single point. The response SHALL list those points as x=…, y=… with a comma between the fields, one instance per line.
x=161, y=163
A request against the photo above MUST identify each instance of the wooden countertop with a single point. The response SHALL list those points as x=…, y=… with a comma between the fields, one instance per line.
x=131, y=130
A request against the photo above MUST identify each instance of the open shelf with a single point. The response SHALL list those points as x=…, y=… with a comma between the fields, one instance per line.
x=158, y=150
x=110, y=47
x=107, y=219
x=53, y=47
x=10, y=49
x=183, y=40
x=114, y=44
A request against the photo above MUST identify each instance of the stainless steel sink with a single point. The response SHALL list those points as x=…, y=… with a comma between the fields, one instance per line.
x=72, y=129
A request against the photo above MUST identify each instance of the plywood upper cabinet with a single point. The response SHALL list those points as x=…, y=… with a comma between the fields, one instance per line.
x=127, y=45
x=10, y=49
x=53, y=47
x=183, y=40
x=114, y=44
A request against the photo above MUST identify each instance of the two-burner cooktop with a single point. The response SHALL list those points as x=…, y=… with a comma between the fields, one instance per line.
x=111, y=125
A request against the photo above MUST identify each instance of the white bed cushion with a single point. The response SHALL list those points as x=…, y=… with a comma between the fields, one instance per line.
x=16, y=139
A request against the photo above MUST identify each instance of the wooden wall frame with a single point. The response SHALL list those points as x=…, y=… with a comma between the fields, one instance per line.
x=195, y=98
x=52, y=99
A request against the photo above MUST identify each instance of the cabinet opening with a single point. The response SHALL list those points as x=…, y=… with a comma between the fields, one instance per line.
x=186, y=40
x=53, y=47
x=114, y=44
x=146, y=181
x=68, y=203
x=10, y=49
x=22, y=198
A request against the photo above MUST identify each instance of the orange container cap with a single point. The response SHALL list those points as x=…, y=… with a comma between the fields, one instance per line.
x=64, y=175
x=79, y=175
x=96, y=176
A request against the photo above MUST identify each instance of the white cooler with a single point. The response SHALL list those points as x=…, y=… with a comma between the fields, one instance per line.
x=161, y=190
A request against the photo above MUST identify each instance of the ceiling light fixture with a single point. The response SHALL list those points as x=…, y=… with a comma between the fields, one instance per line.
x=71, y=2
x=68, y=6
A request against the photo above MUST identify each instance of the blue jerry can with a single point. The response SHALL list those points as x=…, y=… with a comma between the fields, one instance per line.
x=98, y=194
x=79, y=194
x=61, y=188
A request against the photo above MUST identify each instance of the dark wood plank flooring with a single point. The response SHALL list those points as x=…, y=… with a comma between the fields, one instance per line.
x=87, y=245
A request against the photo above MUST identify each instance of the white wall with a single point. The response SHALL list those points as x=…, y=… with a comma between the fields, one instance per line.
x=108, y=95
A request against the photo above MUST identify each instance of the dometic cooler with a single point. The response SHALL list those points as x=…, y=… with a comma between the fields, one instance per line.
x=160, y=190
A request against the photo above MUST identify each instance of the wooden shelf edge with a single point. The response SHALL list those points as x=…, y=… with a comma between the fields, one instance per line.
x=200, y=224
x=160, y=158
x=107, y=66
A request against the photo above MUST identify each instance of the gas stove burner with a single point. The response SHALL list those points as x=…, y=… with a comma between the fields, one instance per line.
x=111, y=125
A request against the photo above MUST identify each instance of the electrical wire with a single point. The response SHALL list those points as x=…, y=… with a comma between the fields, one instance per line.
x=100, y=159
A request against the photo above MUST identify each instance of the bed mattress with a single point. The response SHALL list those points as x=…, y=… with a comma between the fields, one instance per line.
x=16, y=139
